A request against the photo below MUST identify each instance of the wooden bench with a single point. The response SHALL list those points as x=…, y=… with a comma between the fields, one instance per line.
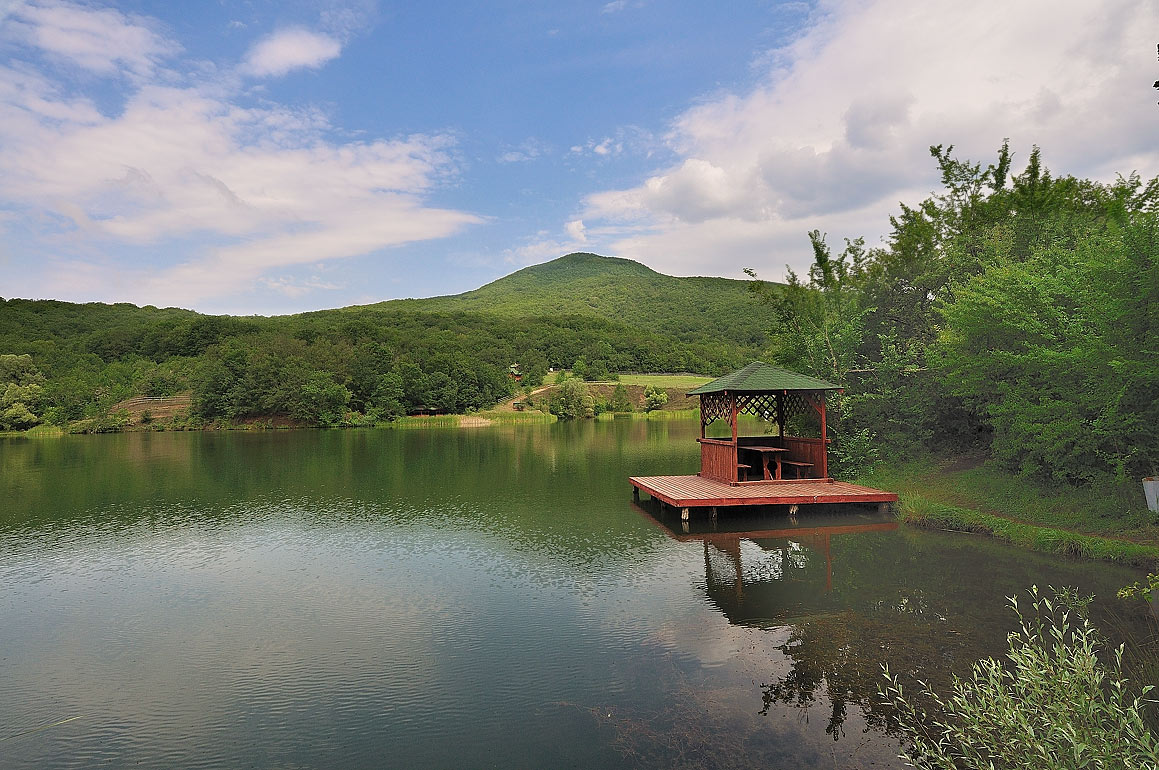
x=799, y=465
x=742, y=467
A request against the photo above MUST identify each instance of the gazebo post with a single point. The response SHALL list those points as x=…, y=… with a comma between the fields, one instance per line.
x=735, y=451
x=824, y=442
x=781, y=414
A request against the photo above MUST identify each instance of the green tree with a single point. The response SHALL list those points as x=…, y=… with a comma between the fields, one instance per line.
x=322, y=400
x=1058, y=353
x=572, y=400
x=21, y=392
x=818, y=324
x=620, y=401
x=387, y=401
x=654, y=397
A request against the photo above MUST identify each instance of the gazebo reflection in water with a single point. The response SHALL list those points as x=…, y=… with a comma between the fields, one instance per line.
x=767, y=569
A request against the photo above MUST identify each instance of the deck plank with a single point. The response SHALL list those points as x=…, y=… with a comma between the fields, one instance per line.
x=698, y=492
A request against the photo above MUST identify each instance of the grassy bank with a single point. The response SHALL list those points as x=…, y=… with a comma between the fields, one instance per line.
x=657, y=415
x=39, y=431
x=1110, y=522
x=476, y=419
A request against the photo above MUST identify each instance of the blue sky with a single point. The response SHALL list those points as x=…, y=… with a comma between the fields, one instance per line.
x=271, y=157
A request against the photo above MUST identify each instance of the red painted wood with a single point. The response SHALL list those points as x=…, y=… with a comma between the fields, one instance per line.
x=718, y=460
x=808, y=450
x=699, y=491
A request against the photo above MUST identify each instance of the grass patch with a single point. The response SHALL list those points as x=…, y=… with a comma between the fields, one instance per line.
x=658, y=415
x=455, y=420
x=37, y=431
x=920, y=511
x=527, y=415
x=1108, y=510
x=688, y=381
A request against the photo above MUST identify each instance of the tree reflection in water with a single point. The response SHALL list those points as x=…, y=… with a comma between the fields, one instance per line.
x=855, y=594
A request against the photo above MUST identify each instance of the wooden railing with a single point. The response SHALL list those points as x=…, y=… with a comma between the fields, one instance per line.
x=718, y=459
x=807, y=450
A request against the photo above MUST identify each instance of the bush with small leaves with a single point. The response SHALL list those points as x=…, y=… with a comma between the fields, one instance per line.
x=1053, y=706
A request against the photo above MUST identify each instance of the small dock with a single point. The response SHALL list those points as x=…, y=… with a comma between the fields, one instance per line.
x=789, y=469
x=700, y=492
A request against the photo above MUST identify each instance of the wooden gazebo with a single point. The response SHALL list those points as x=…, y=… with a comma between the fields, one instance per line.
x=772, y=394
x=766, y=469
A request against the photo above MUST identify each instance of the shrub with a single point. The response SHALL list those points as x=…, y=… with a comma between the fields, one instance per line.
x=1054, y=706
x=654, y=397
x=572, y=400
x=620, y=400
x=854, y=453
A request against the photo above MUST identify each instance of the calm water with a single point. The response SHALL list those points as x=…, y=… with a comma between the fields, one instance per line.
x=460, y=598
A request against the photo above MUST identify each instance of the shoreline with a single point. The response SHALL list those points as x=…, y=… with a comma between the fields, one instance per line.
x=1107, y=524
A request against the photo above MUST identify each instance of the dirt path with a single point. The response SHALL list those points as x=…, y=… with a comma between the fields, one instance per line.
x=509, y=404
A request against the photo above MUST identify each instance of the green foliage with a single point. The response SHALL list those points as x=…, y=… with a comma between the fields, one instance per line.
x=1013, y=312
x=620, y=401
x=818, y=324
x=854, y=453
x=1053, y=705
x=105, y=423
x=387, y=399
x=20, y=370
x=95, y=356
x=321, y=400
x=21, y=392
x=654, y=397
x=572, y=400
x=1148, y=589
x=1058, y=353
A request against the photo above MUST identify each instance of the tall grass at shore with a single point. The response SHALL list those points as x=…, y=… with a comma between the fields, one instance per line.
x=920, y=511
x=469, y=420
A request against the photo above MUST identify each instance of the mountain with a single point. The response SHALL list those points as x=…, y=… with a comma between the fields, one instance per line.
x=71, y=364
x=617, y=290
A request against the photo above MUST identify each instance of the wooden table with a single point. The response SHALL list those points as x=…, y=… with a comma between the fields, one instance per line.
x=766, y=452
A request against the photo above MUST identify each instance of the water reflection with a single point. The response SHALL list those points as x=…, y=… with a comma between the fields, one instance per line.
x=849, y=593
x=457, y=598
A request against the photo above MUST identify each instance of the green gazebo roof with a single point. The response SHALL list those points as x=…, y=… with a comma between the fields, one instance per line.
x=759, y=377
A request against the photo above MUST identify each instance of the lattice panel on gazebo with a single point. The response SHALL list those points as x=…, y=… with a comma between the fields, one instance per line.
x=762, y=405
x=714, y=406
x=795, y=404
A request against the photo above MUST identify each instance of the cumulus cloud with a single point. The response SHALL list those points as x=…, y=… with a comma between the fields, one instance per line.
x=836, y=131
x=290, y=49
x=102, y=40
x=239, y=193
x=576, y=230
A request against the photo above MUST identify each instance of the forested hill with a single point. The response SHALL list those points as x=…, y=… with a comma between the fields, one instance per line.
x=62, y=362
x=619, y=290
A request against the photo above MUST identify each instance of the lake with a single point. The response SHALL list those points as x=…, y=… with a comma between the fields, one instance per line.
x=469, y=598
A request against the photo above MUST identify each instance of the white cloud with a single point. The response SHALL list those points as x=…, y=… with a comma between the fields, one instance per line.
x=528, y=150
x=290, y=49
x=836, y=132
x=99, y=39
x=576, y=230
x=295, y=288
x=627, y=139
x=239, y=193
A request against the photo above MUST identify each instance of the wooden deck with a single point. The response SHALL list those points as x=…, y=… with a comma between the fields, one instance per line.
x=699, y=492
